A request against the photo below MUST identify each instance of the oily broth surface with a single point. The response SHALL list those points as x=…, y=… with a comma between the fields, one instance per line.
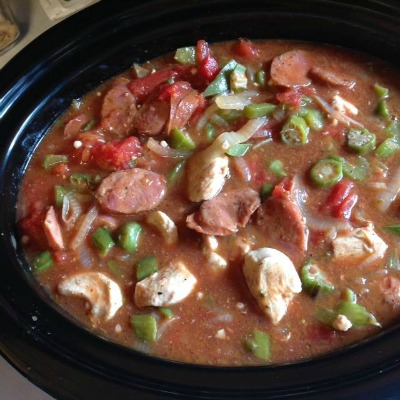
x=221, y=299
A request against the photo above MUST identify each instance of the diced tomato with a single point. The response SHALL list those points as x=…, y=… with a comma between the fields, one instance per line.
x=341, y=200
x=199, y=110
x=245, y=48
x=60, y=170
x=117, y=155
x=202, y=51
x=32, y=226
x=208, y=68
x=173, y=90
x=320, y=333
x=293, y=96
x=141, y=88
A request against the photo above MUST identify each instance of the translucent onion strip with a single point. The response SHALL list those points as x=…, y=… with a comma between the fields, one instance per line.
x=234, y=101
x=242, y=168
x=162, y=151
x=388, y=196
x=84, y=227
x=71, y=210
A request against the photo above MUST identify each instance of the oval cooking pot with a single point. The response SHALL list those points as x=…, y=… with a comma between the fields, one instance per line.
x=75, y=56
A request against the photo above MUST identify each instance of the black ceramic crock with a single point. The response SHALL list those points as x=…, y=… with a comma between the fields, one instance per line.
x=75, y=56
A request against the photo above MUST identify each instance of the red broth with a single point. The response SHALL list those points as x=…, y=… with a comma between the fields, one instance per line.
x=313, y=175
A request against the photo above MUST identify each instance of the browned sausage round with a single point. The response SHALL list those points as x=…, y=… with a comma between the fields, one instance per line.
x=131, y=191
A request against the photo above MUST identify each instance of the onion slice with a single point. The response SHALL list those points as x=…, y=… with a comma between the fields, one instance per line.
x=71, y=210
x=234, y=101
x=387, y=197
x=84, y=227
x=162, y=151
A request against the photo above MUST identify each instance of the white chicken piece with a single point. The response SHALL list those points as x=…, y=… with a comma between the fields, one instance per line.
x=341, y=323
x=169, y=286
x=206, y=178
x=216, y=261
x=165, y=226
x=272, y=280
x=52, y=230
x=359, y=244
x=207, y=170
x=103, y=294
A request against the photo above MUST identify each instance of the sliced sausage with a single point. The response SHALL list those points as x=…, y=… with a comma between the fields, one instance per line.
x=152, y=117
x=283, y=223
x=224, y=214
x=118, y=110
x=169, y=286
x=330, y=78
x=131, y=191
x=52, y=230
x=290, y=69
x=391, y=290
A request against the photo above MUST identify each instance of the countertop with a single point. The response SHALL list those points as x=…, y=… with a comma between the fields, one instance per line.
x=32, y=21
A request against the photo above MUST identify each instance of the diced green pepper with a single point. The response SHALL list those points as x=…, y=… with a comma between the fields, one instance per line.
x=145, y=327
x=259, y=344
x=276, y=167
x=166, y=312
x=393, y=129
x=128, y=236
x=261, y=79
x=238, y=150
x=181, y=140
x=176, y=173
x=326, y=172
x=81, y=181
x=382, y=109
x=230, y=115
x=314, y=280
x=325, y=316
x=102, y=240
x=238, y=79
x=295, y=131
x=313, y=118
x=266, y=191
x=146, y=267
x=42, y=262
x=59, y=193
x=221, y=83
x=380, y=91
x=361, y=141
x=356, y=314
x=257, y=110
x=186, y=55
x=53, y=159
x=357, y=172
x=393, y=229
x=388, y=147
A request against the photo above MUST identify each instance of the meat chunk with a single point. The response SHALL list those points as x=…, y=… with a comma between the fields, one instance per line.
x=283, y=223
x=391, y=290
x=224, y=214
x=165, y=226
x=290, y=69
x=359, y=244
x=118, y=110
x=152, y=117
x=103, y=294
x=330, y=78
x=52, y=230
x=131, y=191
x=205, y=180
x=169, y=286
x=272, y=280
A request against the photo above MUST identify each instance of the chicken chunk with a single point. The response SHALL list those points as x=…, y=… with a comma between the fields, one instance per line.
x=168, y=286
x=272, y=280
x=52, y=230
x=206, y=179
x=103, y=294
x=165, y=226
x=359, y=244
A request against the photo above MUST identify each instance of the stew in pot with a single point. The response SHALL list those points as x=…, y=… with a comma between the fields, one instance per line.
x=232, y=204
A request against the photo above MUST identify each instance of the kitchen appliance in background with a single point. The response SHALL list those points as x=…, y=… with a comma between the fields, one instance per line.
x=56, y=9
